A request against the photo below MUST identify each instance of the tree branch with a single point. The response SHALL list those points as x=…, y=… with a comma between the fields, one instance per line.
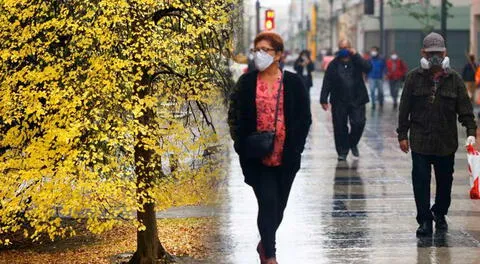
x=166, y=12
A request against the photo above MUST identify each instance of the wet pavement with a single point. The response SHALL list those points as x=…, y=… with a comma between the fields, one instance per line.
x=359, y=211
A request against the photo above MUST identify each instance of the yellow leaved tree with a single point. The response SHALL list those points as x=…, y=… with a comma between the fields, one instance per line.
x=103, y=103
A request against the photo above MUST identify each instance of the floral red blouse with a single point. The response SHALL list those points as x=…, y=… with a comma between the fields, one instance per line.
x=266, y=102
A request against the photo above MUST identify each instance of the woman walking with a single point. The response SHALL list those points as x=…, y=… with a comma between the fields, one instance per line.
x=304, y=68
x=468, y=75
x=275, y=103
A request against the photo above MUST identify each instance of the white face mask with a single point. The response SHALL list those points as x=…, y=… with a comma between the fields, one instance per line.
x=425, y=64
x=394, y=56
x=263, y=60
x=373, y=53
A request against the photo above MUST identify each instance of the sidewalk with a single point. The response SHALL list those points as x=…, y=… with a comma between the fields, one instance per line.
x=355, y=212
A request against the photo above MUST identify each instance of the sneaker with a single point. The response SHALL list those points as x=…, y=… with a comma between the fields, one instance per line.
x=355, y=152
x=425, y=229
x=342, y=157
x=441, y=223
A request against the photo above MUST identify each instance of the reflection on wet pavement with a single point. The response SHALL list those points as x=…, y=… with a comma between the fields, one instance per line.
x=358, y=211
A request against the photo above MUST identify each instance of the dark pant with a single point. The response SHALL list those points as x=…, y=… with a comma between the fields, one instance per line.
x=344, y=139
x=421, y=176
x=394, y=88
x=272, y=189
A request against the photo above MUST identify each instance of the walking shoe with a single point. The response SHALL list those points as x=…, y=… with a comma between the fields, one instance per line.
x=425, y=229
x=441, y=222
x=395, y=106
x=355, y=152
x=342, y=157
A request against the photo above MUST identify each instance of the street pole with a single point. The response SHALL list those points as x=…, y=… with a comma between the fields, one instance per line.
x=257, y=22
x=331, y=25
x=303, y=30
x=250, y=39
x=382, y=30
x=444, y=19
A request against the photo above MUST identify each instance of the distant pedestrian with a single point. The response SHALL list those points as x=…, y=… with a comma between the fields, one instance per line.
x=375, y=77
x=396, y=71
x=468, y=75
x=343, y=83
x=269, y=101
x=304, y=67
x=434, y=96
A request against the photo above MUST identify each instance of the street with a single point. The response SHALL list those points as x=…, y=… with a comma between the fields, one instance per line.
x=361, y=211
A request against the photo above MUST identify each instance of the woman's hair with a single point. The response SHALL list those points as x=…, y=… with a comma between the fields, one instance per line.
x=304, y=52
x=472, y=57
x=275, y=40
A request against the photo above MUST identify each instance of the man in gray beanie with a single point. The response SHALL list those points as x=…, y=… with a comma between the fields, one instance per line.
x=433, y=97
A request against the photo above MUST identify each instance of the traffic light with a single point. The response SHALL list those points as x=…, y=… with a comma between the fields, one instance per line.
x=369, y=7
x=269, y=19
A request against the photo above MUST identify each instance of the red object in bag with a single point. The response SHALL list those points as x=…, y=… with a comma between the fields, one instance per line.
x=473, y=157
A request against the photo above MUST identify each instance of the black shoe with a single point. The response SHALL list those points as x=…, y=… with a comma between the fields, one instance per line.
x=441, y=223
x=395, y=106
x=425, y=229
x=355, y=152
x=342, y=157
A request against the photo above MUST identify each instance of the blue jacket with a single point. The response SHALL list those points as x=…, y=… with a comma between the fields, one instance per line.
x=378, y=68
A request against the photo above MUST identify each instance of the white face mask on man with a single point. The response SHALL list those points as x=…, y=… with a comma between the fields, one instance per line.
x=263, y=60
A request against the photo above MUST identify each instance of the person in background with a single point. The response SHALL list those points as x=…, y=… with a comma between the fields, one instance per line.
x=433, y=98
x=468, y=75
x=327, y=58
x=375, y=77
x=257, y=98
x=343, y=83
x=304, y=67
x=396, y=71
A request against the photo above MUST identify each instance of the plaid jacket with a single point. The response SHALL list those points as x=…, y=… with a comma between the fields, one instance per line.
x=429, y=111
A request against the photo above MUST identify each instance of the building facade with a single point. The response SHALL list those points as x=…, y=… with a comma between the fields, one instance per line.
x=475, y=28
x=403, y=33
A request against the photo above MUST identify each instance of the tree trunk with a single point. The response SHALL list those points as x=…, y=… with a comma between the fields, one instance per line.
x=149, y=248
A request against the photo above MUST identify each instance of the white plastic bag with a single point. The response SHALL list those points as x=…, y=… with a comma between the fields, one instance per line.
x=473, y=157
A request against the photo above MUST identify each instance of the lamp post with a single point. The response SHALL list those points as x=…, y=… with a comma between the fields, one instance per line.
x=382, y=30
x=444, y=19
x=331, y=25
x=257, y=9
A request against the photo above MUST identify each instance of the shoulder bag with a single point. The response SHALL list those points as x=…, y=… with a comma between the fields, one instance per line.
x=260, y=143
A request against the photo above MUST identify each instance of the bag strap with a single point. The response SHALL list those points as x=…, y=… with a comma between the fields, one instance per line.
x=278, y=104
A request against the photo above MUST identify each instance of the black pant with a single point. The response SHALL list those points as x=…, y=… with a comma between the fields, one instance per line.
x=394, y=88
x=341, y=114
x=421, y=177
x=272, y=189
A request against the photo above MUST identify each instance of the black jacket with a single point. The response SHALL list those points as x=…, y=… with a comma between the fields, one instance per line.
x=468, y=73
x=308, y=80
x=332, y=83
x=433, y=126
x=242, y=119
